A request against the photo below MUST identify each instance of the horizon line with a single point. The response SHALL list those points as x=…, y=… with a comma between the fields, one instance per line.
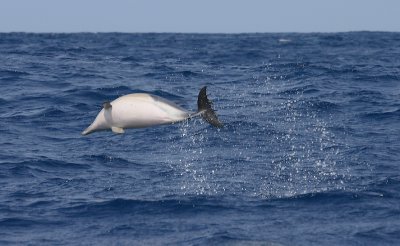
x=205, y=33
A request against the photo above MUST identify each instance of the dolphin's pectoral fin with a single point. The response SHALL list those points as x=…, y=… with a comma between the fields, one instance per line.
x=117, y=130
x=107, y=105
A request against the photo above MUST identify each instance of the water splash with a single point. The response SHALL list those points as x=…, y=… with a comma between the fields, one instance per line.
x=293, y=150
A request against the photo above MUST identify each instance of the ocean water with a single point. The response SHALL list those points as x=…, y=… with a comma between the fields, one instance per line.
x=309, y=155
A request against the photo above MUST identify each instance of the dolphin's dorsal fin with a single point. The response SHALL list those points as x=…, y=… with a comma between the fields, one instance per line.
x=107, y=105
x=118, y=130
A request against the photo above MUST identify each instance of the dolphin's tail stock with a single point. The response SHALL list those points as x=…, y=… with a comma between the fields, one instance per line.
x=205, y=109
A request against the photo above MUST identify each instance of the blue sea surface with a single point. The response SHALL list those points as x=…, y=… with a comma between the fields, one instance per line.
x=309, y=154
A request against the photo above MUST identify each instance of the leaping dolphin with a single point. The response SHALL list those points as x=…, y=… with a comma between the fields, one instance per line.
x=140, y=110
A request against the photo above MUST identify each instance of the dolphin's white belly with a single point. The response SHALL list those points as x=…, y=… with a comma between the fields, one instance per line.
x=141, y=110
x=136, y=111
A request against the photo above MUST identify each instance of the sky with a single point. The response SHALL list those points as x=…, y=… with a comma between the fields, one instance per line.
x=202, y=16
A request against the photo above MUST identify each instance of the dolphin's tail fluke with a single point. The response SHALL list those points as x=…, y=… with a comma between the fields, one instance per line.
x=205, y=109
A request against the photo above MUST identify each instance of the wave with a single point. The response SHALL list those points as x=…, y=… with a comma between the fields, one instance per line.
x=37, y=167
x=377, y=78
x=188, y=74
x=106, y=160
x=13, y=222
x=34, y=114
x=121, y=206
x=12, y=76
x=304, y=89
x=389, y=115
x=321, y=105
x=3, y=102
x=81, y=75
x=233, y=239
x=100, y=94
x=363, y=93
x=12, y=73
x=323, y=197
x=165, y=94
x=174, y=74
x=130, y=58
x=240, y=124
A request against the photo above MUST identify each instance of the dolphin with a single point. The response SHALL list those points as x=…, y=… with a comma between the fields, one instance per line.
x=139, y=110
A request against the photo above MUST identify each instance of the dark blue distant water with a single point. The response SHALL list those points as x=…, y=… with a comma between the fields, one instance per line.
x=309, y=155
